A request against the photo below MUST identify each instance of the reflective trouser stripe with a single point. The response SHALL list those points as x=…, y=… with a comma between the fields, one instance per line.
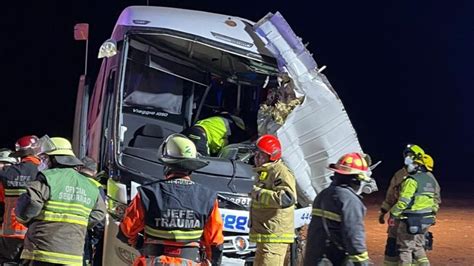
x=63, y=218
x=190, y=235
x=14, y=191
x=272, y=238
x=359, y=257
x=51, y=257
x=73, y=208
x=326, y=214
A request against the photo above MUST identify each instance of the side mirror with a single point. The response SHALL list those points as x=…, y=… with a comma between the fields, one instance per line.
x=108, y=49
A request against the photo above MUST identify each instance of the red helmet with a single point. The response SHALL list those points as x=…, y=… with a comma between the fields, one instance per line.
x=27, y=145
x=270, y=145
x=352, y=164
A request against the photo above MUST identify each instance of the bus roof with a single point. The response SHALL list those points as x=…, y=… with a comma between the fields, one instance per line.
x=229, y=30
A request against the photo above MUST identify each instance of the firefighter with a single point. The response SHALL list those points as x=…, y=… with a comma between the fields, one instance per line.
x=58, y=208
x=14, y=180
x=391, y=197
x=415, y=209
x=336, y=233
x=179, y=217
x=393, y=191
x=211, y=134
x=273, y=204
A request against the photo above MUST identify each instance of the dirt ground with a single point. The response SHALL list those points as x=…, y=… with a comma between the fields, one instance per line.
x=453, y=232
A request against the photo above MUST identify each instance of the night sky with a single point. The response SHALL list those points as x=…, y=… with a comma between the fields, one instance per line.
x=403, y=69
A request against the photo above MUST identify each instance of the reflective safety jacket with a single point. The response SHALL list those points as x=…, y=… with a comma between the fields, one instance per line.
x=393, y=191
x=175, y=212
x=58, y=208
x=337, y=227
x=273, y=205
x=418, y=195
x=14, y=180
x=218, y=131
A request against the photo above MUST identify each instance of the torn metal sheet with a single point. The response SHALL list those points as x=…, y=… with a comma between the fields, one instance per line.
x=318, y=131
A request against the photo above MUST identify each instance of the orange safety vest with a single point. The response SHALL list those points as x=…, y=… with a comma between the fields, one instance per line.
x=12, y=186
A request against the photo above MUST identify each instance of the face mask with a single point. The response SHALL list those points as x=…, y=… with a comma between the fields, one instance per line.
x=408, y=160
x=411, y=168
x=44, y=164
x=367, y=187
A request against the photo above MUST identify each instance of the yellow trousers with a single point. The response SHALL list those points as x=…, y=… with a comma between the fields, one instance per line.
x=270, y=254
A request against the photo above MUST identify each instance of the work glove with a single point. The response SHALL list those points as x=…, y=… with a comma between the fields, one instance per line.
x=382, y=213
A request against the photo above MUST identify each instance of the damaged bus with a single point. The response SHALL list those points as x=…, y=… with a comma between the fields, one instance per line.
x=163, y=69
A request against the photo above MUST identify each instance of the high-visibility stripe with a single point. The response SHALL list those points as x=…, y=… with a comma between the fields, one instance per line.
x=428, y=211
x=272, y=238
x=68, y=204
x=14, y=191
x=9, y=232
x=326, y=214
x=63, y=218
x=151, y=241
x=73, y=208
x=421, y=260
x=359, y=257
x=406, y=200
x=68, y=210
x=174, y=234
x=51, y=257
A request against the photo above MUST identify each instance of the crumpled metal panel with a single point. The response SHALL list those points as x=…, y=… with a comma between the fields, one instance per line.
x=318, y=131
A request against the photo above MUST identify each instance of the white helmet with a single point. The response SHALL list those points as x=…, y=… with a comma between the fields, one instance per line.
x=179, y=152
x=5, y=156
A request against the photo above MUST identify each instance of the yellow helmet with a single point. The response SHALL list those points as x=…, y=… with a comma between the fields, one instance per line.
x=62, y=146
x=414, y=150
x=427, y=161
x=63, y=153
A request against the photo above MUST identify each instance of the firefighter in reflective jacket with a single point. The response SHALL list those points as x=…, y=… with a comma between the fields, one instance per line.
x=211, y=134
x=336, y=233
x=273, y=204
x=178, y=216
x=13, y=182
x=415, y=209
x=58, y=208
x=393, y=192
